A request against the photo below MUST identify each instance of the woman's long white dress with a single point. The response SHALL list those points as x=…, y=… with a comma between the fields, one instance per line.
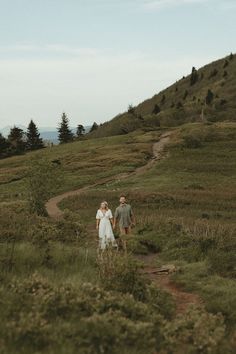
x=105, y=232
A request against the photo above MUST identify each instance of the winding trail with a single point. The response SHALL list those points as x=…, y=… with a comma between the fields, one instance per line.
x=182, y=298
x=52, y=205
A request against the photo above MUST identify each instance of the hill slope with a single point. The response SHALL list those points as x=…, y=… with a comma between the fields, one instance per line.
x=184, y=101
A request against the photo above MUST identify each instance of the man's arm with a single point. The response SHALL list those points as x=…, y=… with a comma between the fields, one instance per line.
x=132, y=216
x=115, y=218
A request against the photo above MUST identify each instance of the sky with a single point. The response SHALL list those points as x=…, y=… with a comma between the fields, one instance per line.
x=92, y=58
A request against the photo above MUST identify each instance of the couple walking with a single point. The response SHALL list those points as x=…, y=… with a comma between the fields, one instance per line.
x=106, y=224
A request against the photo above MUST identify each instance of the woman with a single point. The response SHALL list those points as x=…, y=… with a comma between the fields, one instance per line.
x=104, y=226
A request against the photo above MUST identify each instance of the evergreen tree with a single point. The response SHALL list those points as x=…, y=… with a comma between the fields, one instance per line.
x=163, y=99
x=80, y=131
x=226, y=63
x=4, y=146
x=209, y=97
x=94, y=127
x=34, y=142
x=231, y=56
x=156, y=109
x=17, y=140
x=194, y=76
x=131, y=109
x=65, y=134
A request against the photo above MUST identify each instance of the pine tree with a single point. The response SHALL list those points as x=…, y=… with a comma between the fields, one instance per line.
x=65, y=134
x=94, y=127
x=231, y=56
x=17, y=141
x=194, y=76
x=34, y=142
x=131, y=109
x=80, y=131
x=163, y=99
x=226, y=63
x=4, y=146
x=209, y=97
x=156, y=109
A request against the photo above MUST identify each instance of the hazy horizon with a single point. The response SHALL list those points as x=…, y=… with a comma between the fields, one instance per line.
x=92, y=59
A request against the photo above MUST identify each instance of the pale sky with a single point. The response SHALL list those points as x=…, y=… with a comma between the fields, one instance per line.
x=91, y=58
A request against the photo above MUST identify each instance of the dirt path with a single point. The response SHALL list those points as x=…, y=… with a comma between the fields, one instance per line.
x=182, y=298
x=52, y=205
x=163, y=280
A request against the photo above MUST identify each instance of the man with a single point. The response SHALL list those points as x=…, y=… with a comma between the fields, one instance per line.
x=125, y=216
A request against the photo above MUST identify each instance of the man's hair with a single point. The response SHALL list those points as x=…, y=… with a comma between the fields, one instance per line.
x=123, y=196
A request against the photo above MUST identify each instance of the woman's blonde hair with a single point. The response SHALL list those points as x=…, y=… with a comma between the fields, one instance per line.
x=106, y=204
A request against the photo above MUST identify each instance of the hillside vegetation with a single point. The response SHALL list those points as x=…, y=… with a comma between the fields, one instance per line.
x=210, y=90
x=57, y=296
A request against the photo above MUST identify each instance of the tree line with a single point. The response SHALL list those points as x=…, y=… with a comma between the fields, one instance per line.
x=18, y=141
x=65, y=134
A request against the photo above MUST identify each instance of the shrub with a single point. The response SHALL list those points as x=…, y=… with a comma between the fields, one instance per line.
x=120, y=273
x=38, y=193
x=195, y=331
x=223, y=262
x=192, y=141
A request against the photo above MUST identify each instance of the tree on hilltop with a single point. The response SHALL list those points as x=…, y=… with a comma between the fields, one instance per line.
x=80, y=131
x=65, y=134
x=163, y=99
x=93, y=127
x=209, y=97
x=131, y=109
x=156, y=109
x=33, y=142
x=194, y=76
x=16, y=139
x=4, y=146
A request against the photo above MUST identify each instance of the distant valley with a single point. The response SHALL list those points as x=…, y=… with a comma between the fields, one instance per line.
x=47, y=133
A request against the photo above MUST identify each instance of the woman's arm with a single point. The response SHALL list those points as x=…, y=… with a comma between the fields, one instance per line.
x=97, y=223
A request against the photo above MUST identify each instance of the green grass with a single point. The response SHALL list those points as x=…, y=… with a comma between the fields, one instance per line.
x=185, y=210
x=82, y=163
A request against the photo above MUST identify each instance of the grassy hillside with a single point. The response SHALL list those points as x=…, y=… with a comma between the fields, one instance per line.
x=183, y=102
x=80, y=163
x=57, y=296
